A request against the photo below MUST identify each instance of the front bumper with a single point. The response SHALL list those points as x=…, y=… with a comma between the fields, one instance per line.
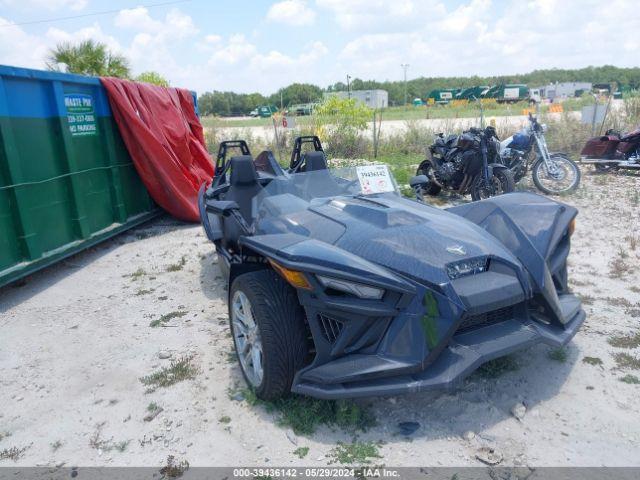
x=464, y=354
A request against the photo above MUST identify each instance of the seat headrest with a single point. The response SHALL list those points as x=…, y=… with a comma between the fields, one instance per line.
x=315, y=161
x=243, y=170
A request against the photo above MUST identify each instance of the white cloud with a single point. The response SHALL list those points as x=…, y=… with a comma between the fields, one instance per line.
x=137, y=18
x=382, y=15
x=175, y=24
x=474, y=39
x=291, y=12
x=93, y=32
x=19, y=48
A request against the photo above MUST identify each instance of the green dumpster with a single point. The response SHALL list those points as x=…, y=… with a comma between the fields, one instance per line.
x=66, y=179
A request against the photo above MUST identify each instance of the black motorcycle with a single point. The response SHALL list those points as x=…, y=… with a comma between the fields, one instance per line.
x=468, y=163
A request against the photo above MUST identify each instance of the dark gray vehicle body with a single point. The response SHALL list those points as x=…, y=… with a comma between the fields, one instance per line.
x=432, y=327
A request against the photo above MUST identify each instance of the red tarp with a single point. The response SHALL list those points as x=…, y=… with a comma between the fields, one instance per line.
x=164, y=137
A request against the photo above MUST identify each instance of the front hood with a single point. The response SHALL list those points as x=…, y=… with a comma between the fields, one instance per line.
x=409, y=237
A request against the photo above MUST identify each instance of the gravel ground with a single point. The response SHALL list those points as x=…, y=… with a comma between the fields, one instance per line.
x=77, y=338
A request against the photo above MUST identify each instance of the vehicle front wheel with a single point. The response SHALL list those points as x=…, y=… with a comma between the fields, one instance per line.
x=268, y=329
x=500, y=182
x=430, y=188
x=561, y=175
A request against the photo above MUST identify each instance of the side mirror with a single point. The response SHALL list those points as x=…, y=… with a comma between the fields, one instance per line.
x=222, y=208
x=418, y=180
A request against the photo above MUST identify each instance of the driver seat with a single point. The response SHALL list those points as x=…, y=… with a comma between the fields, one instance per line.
x=244, y=185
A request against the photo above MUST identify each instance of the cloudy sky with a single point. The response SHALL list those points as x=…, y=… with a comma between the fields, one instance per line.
x=260, y=45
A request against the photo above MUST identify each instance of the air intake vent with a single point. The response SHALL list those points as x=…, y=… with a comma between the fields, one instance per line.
x=485, y=319
x=330, y=328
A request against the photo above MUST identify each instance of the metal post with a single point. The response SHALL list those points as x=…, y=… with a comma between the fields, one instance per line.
x=593, y=118
x=348, y=87
x=404, y=67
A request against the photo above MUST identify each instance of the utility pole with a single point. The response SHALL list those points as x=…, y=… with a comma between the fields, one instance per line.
x=348, y=86
x=404, y=67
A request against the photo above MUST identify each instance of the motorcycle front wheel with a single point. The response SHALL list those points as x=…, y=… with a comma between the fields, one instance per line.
x=431, y=188
x=561, y=176
x=501, y=182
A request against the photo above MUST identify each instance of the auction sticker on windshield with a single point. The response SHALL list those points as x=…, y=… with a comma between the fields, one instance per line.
x=374, y=179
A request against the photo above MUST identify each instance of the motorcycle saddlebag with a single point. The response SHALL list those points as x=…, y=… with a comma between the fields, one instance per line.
x=600, y=146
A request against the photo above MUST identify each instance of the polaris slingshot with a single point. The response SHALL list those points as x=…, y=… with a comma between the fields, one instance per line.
x=339, y=287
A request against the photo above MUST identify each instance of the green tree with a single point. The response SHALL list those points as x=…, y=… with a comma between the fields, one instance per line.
x=296, y=93
x=152, y=77
x=88, y=58
x=339, y=121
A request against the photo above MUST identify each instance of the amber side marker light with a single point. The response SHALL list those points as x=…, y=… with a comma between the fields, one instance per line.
x=295, y=278
x=572, y=227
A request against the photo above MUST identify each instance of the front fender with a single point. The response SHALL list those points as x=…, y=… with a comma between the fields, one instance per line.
x=301, y=253
x=535, y=229
x=496, y=166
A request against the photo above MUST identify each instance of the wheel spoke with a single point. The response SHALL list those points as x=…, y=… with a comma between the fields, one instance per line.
x=237, y=312
x=256, y=353
x=246, y=309
x=239, y=327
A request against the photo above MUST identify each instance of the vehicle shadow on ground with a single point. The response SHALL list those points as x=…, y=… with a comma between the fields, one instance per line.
x=481, y=402
x=211, y=280
x=25, y=288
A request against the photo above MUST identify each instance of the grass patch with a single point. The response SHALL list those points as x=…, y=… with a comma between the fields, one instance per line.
x=176, y=267
x=174, y=468
x=624, y=360
x=13, y=453
x=152, y=407
x=304, y=415
x=56, y=445
x=137, y=275
x=177, y=371
x=143, y=291
x=98, y=443
x=619, y=267
x=592, y=361
x=586, y=299
x=167, y=317
x=625, y=341
x=358, y=452
x=498, y=367
x=558, y=355
x=301, y=452
x=225, y=419
x=630, y=379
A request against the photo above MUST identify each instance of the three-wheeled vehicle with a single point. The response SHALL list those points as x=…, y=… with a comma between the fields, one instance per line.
x=340, y=287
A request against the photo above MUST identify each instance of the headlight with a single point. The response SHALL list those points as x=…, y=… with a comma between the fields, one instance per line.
x=471, y=266
x=354, y=288
x=572, y=227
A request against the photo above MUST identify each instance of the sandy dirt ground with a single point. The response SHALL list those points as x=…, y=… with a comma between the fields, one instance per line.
x=76, y=339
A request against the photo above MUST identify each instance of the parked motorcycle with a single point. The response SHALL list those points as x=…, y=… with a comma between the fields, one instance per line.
x=553, y=173
x=613, y=151
x=468, y=163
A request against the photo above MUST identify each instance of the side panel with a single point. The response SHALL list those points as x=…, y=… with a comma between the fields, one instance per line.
x=66, y=179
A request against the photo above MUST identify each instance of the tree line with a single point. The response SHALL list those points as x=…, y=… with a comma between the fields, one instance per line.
x=231, y=103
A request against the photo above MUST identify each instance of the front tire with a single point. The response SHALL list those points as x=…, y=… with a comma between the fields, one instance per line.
x=268, y=329
x=430, y=188
x=564, y=179
x=501, y=182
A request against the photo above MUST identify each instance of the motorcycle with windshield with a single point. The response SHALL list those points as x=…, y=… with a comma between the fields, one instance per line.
x=553, y=173
x=468, y=163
